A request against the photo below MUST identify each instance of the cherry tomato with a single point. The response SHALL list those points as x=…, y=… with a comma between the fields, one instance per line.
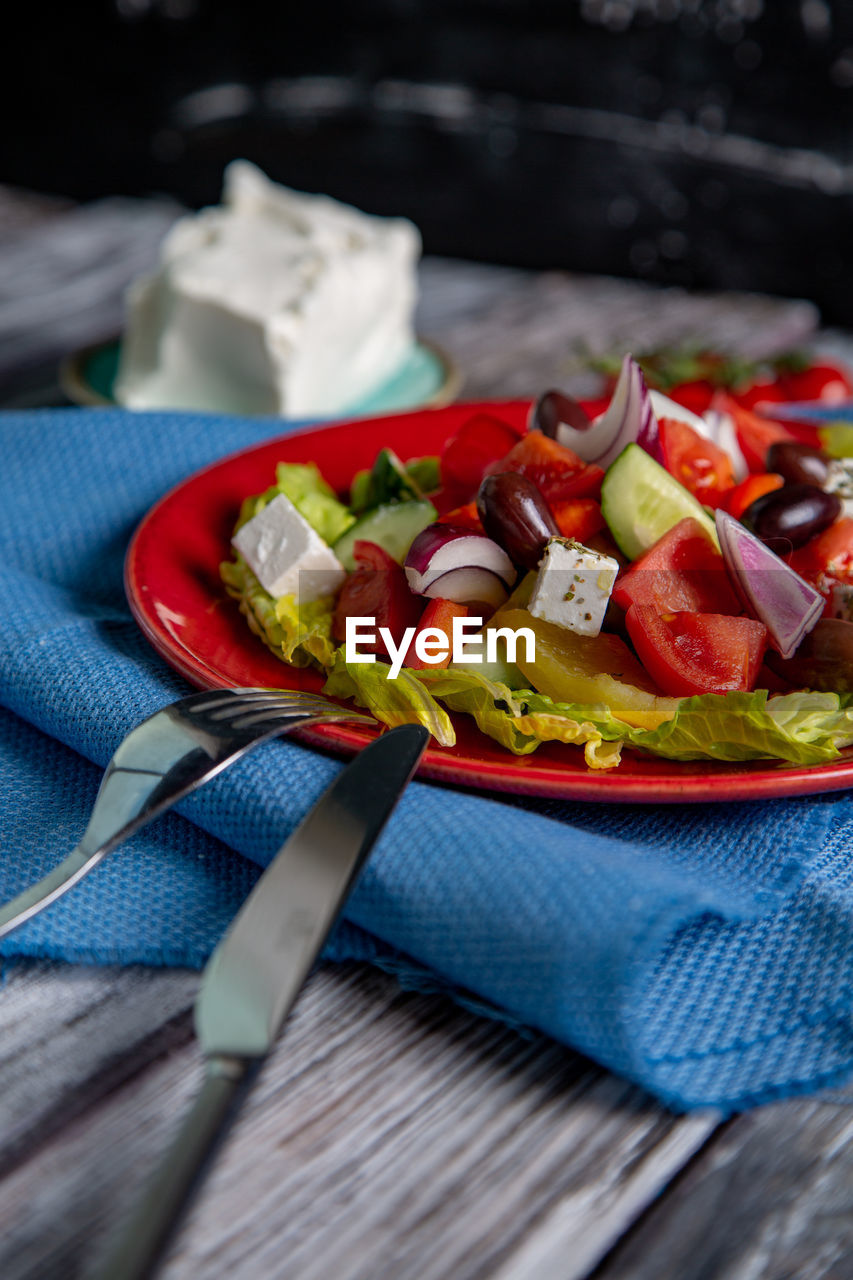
x=467, y=456
x=438, y=614
x=557, y=473
x=700, y=465
x=377, y=588
x=825, y=381
x=744, y=494
x=683, y=570
x=692, y=653
x=578, y=518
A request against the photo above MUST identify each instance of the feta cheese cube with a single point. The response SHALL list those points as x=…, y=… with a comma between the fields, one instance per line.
x=274, y=302
x=288, y=556
x=573, y=586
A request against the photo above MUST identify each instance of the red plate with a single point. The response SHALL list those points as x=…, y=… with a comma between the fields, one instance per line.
x=174, y=589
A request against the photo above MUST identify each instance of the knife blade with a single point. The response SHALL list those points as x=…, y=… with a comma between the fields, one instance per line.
x=255, y=974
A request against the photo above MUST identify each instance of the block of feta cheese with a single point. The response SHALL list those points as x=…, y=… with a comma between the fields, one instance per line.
x=274, y=302
x=573, y=586
x=288, y=556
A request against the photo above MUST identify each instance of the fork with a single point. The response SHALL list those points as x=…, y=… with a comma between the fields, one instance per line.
x=165, y=758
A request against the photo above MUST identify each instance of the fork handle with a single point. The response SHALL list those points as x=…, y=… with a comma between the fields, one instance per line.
x=49, y=888
x=136, y=1251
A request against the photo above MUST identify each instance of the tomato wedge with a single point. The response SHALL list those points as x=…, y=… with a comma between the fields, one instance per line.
x=377, y=588
x=699, y=464
x=557, y=473
x=467, y=456
x=683, y=570
x=692, y=653
x=437, y=616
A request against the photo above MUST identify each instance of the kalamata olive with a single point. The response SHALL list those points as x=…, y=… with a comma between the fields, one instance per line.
x=554, y=407
x=792, y=514
x=798, y=463
x=516, y=516
x=824, y=659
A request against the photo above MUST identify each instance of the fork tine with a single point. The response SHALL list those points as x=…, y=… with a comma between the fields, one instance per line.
x=215, y=699
x=299, y=711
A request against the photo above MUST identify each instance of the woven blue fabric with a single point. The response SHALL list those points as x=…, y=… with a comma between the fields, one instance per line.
x=704, y=951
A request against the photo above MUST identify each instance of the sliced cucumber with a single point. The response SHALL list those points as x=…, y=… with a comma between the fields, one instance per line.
x=393, y=527
x=641, y=502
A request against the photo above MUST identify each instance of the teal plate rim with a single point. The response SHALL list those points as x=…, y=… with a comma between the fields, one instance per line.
x=428, y=379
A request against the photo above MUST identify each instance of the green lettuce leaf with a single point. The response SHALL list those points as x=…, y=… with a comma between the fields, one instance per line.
x=309, y=493
x=505, y=715
x=405, y=700
x=801, y=727
x=300, y=634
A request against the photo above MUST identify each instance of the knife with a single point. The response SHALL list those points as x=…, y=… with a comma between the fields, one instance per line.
x=254, y=976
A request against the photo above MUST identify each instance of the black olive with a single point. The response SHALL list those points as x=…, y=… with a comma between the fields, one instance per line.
x=515, y=514
x=798, y=463
x=792, y=514
x=554, y=407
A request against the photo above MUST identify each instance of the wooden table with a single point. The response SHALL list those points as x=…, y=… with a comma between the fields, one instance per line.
x=393, y=1135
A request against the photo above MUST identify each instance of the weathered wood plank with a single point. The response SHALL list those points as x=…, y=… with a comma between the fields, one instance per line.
x=768, y=1197
x=391, y=1135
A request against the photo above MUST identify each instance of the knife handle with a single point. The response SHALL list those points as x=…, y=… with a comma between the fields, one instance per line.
x=144, y=1236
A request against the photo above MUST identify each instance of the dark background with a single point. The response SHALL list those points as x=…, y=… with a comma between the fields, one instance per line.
x=699, y=142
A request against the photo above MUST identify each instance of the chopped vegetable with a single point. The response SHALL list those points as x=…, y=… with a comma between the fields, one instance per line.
x=437, y=618
x=467, y=456
x=641, y=501
x=691, y=653
x=629, y=419
x=700, y=465
x=771, y=590
x=682, y=570
x=376, y=589
x=441, y=548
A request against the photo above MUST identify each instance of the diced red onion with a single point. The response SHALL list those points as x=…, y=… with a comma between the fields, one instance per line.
x=629, y=419
x=469, y=584
x=440, y=548
x=770, y=589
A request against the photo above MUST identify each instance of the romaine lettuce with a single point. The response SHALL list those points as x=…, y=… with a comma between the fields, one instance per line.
x=299, y=634
x=405, y=700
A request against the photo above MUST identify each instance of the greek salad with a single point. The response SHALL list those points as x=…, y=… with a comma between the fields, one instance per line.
x=682, y=560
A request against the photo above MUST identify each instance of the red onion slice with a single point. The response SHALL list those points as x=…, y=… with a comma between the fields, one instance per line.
x=471, y=585
x=442, y=547
x=770, y=589
x=629, y=419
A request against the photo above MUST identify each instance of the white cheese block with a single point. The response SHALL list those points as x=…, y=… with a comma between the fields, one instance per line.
x=288, y=556
x=274, y=302
x=573, y=586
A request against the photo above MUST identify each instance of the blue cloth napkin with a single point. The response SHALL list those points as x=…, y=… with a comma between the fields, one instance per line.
x=705, y=951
